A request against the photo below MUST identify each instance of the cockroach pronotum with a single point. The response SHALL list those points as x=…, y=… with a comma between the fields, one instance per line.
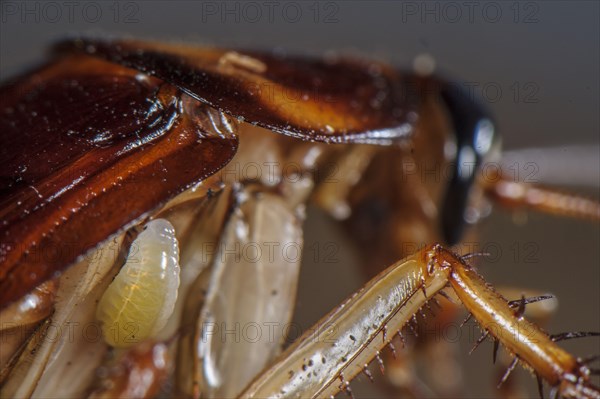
x=131, y=246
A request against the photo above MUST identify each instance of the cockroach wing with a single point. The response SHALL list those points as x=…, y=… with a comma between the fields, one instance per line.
x=88, y=147
x=331, y=99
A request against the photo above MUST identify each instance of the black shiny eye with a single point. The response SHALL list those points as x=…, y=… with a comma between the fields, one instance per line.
x=474, y=132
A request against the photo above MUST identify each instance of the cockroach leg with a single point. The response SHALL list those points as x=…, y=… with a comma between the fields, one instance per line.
x=139, y=372
x=513, y=194
x=525, y=340
x=248, y=242
x=248, y=273
x=32, y=308
x=389, y=302
x=46, y=362
x=20, y=320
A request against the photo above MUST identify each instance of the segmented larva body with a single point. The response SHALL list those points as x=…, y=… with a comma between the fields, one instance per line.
x=138, y=302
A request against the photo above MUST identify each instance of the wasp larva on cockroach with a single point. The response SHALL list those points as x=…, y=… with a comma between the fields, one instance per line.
x=139, y=301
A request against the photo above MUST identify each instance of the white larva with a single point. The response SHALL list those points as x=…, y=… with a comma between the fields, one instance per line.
x=139, y=301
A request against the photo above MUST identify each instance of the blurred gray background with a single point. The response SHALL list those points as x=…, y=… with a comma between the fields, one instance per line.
x=534, y=63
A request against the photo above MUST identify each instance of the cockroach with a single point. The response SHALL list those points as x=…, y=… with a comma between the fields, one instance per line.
x=128, y=230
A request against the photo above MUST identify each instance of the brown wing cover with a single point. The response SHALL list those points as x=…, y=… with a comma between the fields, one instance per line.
x=86, y=147
x=330, y=99
x=90, y=144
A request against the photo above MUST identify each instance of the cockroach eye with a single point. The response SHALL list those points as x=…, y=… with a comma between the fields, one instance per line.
x=484, y=137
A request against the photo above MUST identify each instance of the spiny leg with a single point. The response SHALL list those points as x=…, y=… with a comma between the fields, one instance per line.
x=327, y=354
x=526, y=341
x=341, y=344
